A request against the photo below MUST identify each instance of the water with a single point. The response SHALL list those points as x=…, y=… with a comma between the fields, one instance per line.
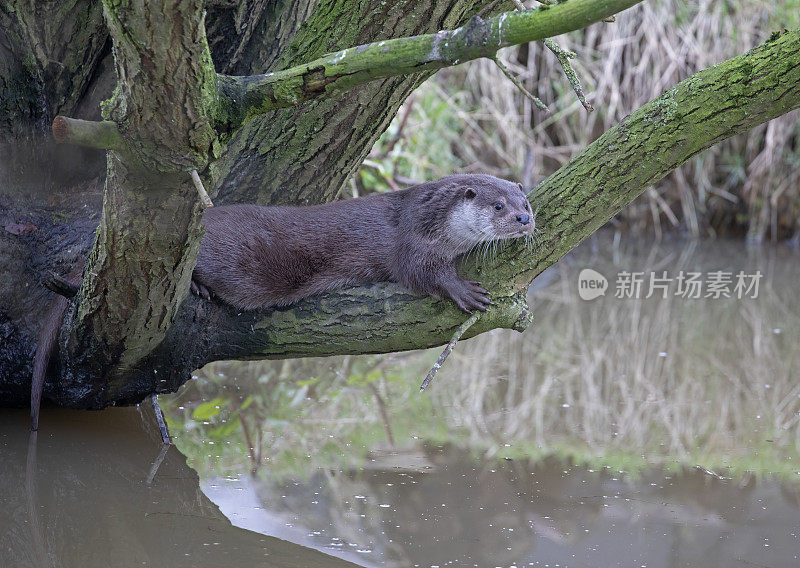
x=455, y=511
x=88, y=493
x=660, y=432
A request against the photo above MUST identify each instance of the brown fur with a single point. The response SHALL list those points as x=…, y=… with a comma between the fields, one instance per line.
x=255, y=257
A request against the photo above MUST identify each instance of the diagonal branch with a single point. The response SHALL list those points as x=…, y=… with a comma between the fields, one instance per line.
x=710, y=106
x=244, y=97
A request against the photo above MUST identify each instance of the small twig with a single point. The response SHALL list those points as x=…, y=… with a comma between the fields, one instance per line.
x=711, y=473
x=487, y=8
x=403, y=121
x=60, y=285
x=201, y=190
x=162, y=425
x=254, y=463
x=384, y=415
x=102, y=135
x=536, y=100
x=157, y=464
x=563, y=57
x=449, y=348
x=381, y=172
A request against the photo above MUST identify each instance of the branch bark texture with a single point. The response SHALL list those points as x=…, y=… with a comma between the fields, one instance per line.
x=49, y=52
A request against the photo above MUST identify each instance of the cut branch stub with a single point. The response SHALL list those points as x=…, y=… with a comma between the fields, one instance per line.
x=102, y=135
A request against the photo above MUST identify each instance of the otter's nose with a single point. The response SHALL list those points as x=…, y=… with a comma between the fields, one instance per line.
x=524, y=218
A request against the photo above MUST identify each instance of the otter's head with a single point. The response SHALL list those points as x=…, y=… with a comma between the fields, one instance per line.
x=489, y=209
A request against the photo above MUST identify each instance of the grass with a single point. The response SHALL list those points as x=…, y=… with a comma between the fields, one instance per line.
x=472, y=119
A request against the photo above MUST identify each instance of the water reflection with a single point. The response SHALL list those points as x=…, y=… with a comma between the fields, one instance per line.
x=709, y=381
x=86, y=493
x=457, y=511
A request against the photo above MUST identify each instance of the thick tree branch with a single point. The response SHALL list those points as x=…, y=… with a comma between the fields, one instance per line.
x=708, y=107
x=244, y=97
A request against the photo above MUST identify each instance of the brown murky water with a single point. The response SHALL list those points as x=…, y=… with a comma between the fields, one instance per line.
x=94, y=491
x=660, y=432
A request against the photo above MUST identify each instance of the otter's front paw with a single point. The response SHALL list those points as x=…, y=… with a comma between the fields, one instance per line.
x=469, y=295
x=200, y=290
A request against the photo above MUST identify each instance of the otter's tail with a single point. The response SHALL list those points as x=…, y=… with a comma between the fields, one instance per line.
x=44, y=349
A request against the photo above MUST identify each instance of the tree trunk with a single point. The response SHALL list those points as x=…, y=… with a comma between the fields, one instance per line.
x=149, y=234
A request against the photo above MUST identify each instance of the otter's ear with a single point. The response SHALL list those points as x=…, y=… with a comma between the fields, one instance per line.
x=470, y=193
x=522, y=189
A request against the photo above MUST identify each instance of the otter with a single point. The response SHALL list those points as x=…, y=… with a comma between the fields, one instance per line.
x=255, y=257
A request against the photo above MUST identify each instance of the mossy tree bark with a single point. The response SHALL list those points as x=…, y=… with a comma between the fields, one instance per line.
x=146, y=245
x=135, y=332
x=49, y=53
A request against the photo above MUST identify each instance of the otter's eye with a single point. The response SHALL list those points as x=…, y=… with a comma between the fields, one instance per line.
x=498, y=206
x=526, y=206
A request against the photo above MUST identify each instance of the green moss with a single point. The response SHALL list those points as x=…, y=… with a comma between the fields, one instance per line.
x=664, y=108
